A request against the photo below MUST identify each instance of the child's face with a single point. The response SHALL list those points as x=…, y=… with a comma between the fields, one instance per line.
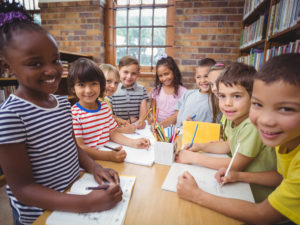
x=33, y=57
x=234, y=102
x=87, y=92
x=201, y=78
x=112, y=83
x=129, y=74
x=275, y=111
x=165, y=75
x=212, y=77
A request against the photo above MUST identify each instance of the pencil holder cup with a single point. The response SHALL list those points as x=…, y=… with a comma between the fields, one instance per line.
x=164, y=152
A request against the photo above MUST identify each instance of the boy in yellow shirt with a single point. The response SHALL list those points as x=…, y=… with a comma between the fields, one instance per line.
x=275, y=112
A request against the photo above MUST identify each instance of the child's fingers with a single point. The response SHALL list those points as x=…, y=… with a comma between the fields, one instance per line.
x=187, y=146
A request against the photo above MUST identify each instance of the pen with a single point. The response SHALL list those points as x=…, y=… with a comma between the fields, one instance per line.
x=194, y=136
x=193, y=117
x=231, y=161
x=114, y=149
x=101, y=187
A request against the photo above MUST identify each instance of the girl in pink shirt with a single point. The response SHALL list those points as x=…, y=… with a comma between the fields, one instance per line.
x=168, y=89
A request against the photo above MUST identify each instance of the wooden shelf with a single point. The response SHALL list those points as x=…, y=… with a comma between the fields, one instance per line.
x=8, y=79
x=71, y=56
x=256, y=44
x=259, y=10
x=289, y=33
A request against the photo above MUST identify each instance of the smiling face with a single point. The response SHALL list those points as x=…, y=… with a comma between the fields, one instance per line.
x=129, y=74
x=87, y=92
x=112, y=83
x=234, y=102
x=201, y=78
x=212, y=77
x=165, y=75
x=275, y=111
x=34, y=58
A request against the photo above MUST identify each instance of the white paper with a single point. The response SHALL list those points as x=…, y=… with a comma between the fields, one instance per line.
x=114, y=216
x=142, y=157
x=205, y=179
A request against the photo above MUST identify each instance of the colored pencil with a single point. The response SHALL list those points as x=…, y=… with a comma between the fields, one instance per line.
x=114, y=149
x=194, y=136
x=145, y=116
x=101, y=187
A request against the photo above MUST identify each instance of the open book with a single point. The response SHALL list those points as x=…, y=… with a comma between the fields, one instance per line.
x=114, y=216
x=142, y=157
x=205, y=179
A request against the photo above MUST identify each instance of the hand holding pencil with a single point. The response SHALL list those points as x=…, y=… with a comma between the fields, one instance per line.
x=231, y=177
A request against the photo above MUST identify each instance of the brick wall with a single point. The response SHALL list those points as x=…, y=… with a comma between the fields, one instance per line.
x=76, y=26
x=206, y=28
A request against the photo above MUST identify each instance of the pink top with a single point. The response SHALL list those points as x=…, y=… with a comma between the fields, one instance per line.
x=166, y=103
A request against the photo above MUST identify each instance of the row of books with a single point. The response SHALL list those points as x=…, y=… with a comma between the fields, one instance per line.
x=251, y=5
x=254, y=32
x=292, y=47
x=284, y=14
x=255, y=58
x=6, y=91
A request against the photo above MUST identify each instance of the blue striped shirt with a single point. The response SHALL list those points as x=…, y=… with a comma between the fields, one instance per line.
x=47, y=134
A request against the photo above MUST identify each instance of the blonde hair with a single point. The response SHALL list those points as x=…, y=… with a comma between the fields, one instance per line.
x=107, y=68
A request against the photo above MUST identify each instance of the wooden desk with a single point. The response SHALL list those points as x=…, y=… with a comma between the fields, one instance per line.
x=150, y=205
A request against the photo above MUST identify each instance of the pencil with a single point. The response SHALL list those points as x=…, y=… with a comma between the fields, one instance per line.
x=231, y=161
x=193, y=117
x=114, y=149
x=194, y=136
x=101, y=187
x=129, y=117
x=145, y=116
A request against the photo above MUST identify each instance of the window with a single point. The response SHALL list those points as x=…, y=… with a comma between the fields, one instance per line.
x=33, y=8
x=141, y=28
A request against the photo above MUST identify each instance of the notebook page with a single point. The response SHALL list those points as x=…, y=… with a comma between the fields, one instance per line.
x=114, y=216
x=205, y=179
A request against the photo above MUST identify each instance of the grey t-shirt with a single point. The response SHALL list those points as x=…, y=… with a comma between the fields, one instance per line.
x=193, y=102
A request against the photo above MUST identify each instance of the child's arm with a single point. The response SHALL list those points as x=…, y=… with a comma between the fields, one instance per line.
x=222, y=147
x=128, y=129
x=266, y=178
x=143, y=112
x=189, y=157
x=119, y=138
x=170, y=120
x=114, y=156
x=17, y=169
x=261, y=213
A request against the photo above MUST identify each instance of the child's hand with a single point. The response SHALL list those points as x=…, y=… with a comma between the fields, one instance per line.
x=231, y=177
x=141, y=125
x=186, y=157
x=132, y=119
x=142, y=143
x=195, y=148
x=189, y=118
x=131, y=128
x=105, y=174
x=187, y=187
x=122, y=122
x=118, y=156
x=99, y=200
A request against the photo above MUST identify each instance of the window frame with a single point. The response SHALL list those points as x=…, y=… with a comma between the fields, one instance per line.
x=110, y=31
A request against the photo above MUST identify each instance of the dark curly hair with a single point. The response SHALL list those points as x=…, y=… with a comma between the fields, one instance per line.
x=169, y=62
x=13, y=17
x=85, y=70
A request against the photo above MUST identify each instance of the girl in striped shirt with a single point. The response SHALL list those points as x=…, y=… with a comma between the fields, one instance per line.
x=93, y=122
x=38, y=153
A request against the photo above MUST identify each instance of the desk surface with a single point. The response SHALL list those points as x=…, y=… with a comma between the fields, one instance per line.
x=150, y=204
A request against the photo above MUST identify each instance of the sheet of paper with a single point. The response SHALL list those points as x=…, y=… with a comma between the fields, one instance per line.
x=206, y=132
x=114, y=216
x=138, y=156
x=205, y=179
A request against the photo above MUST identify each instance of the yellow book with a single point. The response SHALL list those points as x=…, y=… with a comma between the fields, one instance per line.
x=206, y=132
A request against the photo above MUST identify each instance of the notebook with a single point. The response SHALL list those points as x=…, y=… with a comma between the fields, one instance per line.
x=142, y=157
x=114, y=216
x=206, y=132
x=205, y=179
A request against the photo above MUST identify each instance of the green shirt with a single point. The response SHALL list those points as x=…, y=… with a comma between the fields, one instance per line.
x=252, y=146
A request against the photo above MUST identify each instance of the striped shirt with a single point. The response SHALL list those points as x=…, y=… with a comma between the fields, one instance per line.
x=93, y=126
x=51, y=149
x=128, y=100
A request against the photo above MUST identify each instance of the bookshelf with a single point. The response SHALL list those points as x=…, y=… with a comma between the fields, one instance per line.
x=269, y=28
x=8, y=83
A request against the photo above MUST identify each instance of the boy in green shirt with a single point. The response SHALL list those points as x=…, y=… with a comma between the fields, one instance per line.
x=235, y=85
x=275, y=112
